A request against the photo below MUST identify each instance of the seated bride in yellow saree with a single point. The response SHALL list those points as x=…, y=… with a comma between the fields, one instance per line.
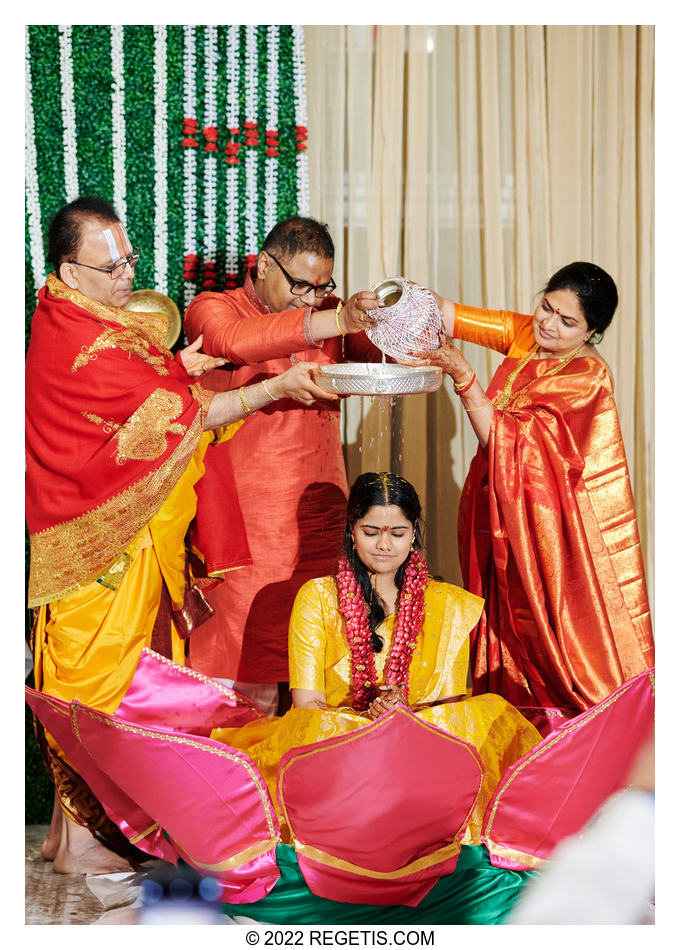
x=382, y=633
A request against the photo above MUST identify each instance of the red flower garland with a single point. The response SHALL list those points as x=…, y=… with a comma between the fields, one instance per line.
x=354, y=611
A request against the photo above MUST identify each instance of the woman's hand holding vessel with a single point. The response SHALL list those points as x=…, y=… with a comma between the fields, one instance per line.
x=450, y=358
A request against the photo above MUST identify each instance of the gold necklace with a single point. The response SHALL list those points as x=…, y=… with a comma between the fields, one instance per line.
x=502, y=400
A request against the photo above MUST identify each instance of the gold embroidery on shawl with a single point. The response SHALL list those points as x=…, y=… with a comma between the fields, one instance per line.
x=122, y=340
x=73, y=554
x=143, y=435
x=203, y=397
x=152, y=327
x=115, y=574
x=108, y=425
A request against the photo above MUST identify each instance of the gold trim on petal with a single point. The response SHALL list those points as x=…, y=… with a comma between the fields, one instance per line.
x=178, y=739
x=143, y=834
x=413, y=867
x=519, y=857
x=564, y=731
x=201, y=677
x=235, y=861
x=377, y=723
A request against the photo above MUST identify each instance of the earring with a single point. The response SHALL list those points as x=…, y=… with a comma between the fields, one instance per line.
x=595, y=338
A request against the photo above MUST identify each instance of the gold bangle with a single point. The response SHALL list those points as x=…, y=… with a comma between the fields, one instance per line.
x=459, y=386
x=242, y=397
x=476, y=408
x=337, y=320
x=266, y=389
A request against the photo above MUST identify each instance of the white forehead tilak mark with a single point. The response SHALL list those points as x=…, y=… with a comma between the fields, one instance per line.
x=111, y=241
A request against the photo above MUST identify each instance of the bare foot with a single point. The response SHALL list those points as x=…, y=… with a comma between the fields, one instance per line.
x=50, y=845
x=80, y=852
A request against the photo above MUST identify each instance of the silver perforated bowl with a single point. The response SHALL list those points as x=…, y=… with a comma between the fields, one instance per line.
x=377, y=379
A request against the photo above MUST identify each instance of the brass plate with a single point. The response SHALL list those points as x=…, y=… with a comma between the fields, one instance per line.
x=151, y=301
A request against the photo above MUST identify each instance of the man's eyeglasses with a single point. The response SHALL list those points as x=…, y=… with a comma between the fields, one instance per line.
x=118, y=269
x=301, y=287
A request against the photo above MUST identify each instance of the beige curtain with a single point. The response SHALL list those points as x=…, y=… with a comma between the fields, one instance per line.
x=476, y=161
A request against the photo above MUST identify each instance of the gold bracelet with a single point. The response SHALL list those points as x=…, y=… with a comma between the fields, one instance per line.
x=266, y=389
x=483, y=406
x=460, y=386
x=337, y=320
x=242, y=397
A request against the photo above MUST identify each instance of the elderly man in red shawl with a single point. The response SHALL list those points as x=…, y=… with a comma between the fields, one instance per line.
x=116, y=432
x=287, y=461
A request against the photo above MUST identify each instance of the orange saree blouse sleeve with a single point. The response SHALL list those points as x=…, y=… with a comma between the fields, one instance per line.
x=502, y=330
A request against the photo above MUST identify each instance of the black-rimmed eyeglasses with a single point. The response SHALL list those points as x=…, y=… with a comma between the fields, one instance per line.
x=299, y=288
x=116, y=270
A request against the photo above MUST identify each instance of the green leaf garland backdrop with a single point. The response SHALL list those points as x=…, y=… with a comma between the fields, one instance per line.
x=73, y=72
x=197, y=134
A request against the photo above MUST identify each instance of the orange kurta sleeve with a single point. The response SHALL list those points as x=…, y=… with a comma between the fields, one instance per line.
x=502, y=330
x=232, y=327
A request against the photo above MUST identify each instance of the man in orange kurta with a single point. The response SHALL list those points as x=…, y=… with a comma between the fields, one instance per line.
x=287, y=460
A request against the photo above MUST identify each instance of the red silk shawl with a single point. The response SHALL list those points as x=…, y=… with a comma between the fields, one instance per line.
x=112, y=422
x=548, y=536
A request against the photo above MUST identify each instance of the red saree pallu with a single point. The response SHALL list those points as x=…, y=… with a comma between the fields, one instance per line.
x=112, y=421
x=548, y=537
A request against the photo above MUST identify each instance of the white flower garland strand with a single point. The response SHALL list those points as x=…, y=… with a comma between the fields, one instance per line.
x=271, y=163
x=118, y=121
x=210, y=158
x=232, y=161
x=251, y=196
x=32, y=186
x=189, y=156
x=68, y=113
x=160, y=155
x=300, y=91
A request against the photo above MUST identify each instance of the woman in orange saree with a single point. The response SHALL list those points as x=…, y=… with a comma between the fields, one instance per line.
x=547, y=528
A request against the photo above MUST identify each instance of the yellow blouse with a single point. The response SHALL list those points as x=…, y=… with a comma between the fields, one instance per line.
x=319, y=656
